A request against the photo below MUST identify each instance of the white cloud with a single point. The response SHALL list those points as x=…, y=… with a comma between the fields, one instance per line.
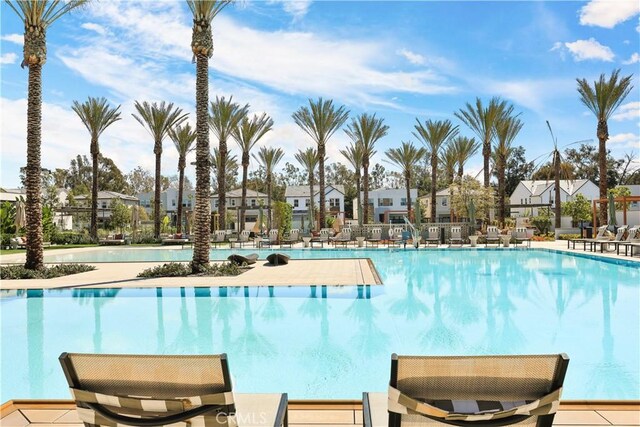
x=8, y=58
x=589, y=49
x=625, y=140
x=532, y=94
x=14, y=38
x=412, y=57
x=296, y=8
x=628, y=111
x=94, y=27
x=608, y=13
x=635, y=57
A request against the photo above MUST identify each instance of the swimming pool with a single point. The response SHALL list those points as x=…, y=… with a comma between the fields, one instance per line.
x=335, y=342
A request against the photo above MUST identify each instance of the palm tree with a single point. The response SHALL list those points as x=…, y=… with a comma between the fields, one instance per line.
x=434, y=134
x=96, y=115
x=603, y=99
x=247, y=134
x=367, y=130
x=507, y=128
x=353, y=154
x=449, y=160
x=37, y=16
x=482, y=121
x=320, y=120
x=202, y=48
x=269, y=159
x=214, y=161
x=225, y=116
x=158, y=119
x=309, y=160
x=465, y=148
x=406, y=157
x=183, y=138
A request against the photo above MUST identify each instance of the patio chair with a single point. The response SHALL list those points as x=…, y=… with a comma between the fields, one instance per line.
x=18, y=242
x=175, y=239
x=243, y=238
x=456, y=236
x=292, y=238
x=629, y=242
x=344, y=237
x=219, y=238
x=469, y=391
x=521, y=236
x=155, y=390
x=605, y=243
x=601, y=235
x=395, y=236
x=374, y=238
x=493, y=236
x=323, y=237
x=116, y=239
x=433, y=236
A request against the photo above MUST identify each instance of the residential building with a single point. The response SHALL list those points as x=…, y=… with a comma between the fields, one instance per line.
x=443, y=206
x=298, y=197
x=105, y=199
x=61, y=219
x=529, y=196
x=234, y=203
x=633, y=209
x=389, y=205
x=168, y=201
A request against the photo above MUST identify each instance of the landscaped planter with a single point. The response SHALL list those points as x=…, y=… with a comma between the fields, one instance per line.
x=474, y=241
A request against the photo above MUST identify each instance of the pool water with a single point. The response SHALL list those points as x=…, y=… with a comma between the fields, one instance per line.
x=336, y=342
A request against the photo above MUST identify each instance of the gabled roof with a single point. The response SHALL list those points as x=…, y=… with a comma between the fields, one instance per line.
x=109, y=195
x=303, y=190
x=538, y=187
x=236, y=193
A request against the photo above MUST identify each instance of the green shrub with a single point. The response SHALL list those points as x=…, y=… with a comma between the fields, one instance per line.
x=568, y=236
x=145, y=238
x=176, y=269
x=543, y=221
x=9, y=272
x=70, y=238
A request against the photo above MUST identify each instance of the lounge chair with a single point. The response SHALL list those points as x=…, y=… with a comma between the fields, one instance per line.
x=493, y=236
x=116, y=239
x=456, y=236
x=156, y=390
x=601, y=235
x=272, y=239
x=521, y=236
x=18, y=242
x=176, y=239
x=629, y=242
x=395, y=236
x=323, y=237
x=278, y=259
x=617, y=239
x=243, y=238
x=292, y=238
x=469, y=391
x=343, y=238
x=219, y=238
x=374, y=237
x=433, y=236
x=243, y=259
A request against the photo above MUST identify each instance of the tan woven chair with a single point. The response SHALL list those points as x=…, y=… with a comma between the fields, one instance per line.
x=469, y=391
x=157, y=390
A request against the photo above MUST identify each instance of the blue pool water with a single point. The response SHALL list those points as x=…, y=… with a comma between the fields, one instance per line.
x=335, y=342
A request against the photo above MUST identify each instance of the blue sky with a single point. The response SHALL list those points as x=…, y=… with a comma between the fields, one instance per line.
x=401, y=60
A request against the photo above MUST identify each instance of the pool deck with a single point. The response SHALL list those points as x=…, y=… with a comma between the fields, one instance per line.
x=326, y=413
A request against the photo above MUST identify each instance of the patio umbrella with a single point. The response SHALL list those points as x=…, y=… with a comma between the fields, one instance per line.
x=337, y=224
x=417, y=212
x=471, y=210
x=21, y=215
x=611, y=205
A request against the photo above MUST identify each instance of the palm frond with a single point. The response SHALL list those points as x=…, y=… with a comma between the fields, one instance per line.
x=250, y=131
x=605, y=96
x=321, y=119
x=158, y=118
x=225, y=115
x=207, y=9
x=96, y=114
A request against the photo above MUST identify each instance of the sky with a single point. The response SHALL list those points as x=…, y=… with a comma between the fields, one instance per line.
x=402, y=60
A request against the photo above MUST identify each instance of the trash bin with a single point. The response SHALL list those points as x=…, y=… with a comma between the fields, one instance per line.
x=587, y=232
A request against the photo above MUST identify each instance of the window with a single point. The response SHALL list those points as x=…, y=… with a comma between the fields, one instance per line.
x=444, y=202
x=253, y=203
x=370, y=202
x=403, y=201
x=529, y=200
x=104, y=205
x=334, y=203
x=385, y=201
x=296, y=203
x=215, y=203
x=307, y=202
x=233, y=202
x=173, y=202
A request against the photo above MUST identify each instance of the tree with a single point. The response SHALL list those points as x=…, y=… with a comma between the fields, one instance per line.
x=231, y=172
x=507, y=129
x=584, y=161
x=79, y=176
x=448, y=160
x=173, y=181
x=140, y=181
x=183, y=138
x=518, y=169
x=309, y=160
x=339, y=174
x=621, y=192
x=96, y=115
x=320, y=120
x=158, y=119
x=37, y=16
x=353, y=154
x=464, y=148
x=120, y=215
x=471, y=189
x=366, y=130
x=434, y=134
x=247, y=134
x=291, y=175
x=482, y=120
x=405, y=157
x=269, y=159
x=579, y=209
x=379, y=176
x=603, y=99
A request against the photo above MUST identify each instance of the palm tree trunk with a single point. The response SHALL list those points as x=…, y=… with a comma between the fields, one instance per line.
x=33, y=208
x=156, y=202
x=202, y=220
x=603, y=135
x=434, y=169
x=501, y=191
x=222, y=189
x=407, y=183
x=322, y=208
x=94, y=191
x=365, y=191
x=180, y=194
x=311, y=201
x=358, y=198
x=460, y=172
x=558, y=207
x=269, y=200
x=243, y=202
x=486, y=154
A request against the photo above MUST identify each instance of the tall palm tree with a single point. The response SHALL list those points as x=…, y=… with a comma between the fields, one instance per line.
x=269, y=159
x=434, y=134
x=603, y=99
x=366, y=129
x=247, y=134
x=406, y=157
x=96, y=115
x=320, y=120
x=183, y=138
x=202, y=47
x=309, y=160
x=353, y=154
x=158, y=119
x=37, y=16
x=225, y=116
x=465, y=148
x=215, y=162
x=506, y=129
x=449, y=161
x=482, y=120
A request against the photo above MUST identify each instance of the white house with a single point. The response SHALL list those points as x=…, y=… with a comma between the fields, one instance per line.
x=298, y=197
x=105, y=198
x=62, y=220
x=389, y=204
x=168, y=201
x=234, y=202
x=443, y=206
x=542, y=193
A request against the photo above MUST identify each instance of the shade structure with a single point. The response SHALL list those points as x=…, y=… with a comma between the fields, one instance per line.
x=612, y=209
x=21, y=215
x=337, y=224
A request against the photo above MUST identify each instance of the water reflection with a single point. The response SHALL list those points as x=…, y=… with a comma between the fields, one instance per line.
x=35, y=340
x=99, y=298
